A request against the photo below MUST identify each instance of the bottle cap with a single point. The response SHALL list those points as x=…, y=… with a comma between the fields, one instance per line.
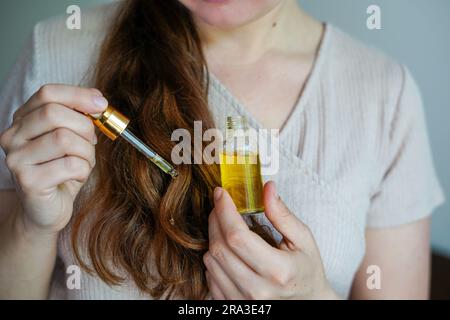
x=111, y=122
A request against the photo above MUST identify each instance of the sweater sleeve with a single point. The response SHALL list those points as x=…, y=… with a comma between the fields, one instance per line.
x=17, y=88
x=409, y=188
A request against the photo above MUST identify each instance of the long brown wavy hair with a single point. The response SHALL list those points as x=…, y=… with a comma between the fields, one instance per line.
x=151, y=66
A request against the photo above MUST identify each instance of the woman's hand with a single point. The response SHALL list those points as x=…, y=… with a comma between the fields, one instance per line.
x=241, y=265
x=50, y=153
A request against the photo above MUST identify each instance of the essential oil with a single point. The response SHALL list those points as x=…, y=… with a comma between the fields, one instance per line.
x=240, y=167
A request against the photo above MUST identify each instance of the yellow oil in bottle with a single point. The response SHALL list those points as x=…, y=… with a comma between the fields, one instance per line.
x=241, y=178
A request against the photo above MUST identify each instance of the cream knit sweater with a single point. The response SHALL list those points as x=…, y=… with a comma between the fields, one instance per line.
x=354, y=152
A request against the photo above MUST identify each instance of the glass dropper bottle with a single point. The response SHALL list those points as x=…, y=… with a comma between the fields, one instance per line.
x=114, y=124
x=240, y=167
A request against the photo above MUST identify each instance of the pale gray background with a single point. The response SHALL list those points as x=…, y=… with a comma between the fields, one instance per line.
x=415, y=32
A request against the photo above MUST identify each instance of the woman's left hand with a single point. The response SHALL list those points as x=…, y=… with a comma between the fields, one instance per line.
x=242, y=266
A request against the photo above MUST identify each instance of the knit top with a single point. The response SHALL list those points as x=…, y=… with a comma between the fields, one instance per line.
x=354, y=152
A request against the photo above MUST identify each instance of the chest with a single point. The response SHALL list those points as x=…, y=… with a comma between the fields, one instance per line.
x=269, y=89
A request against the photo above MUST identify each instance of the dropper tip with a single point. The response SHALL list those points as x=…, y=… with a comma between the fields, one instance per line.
x=174, y=173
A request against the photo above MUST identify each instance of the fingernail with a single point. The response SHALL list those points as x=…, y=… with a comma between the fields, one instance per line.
x=97, y=92
x=100, y=102
x=96, y=116
x=95, y=140
x=218, y=194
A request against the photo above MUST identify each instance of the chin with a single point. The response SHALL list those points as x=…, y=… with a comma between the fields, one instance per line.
x=229, y=13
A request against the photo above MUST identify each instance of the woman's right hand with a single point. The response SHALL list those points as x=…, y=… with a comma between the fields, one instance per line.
x=50, y=151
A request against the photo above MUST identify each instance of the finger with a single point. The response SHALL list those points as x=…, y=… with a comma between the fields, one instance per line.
x=54, y=145
x=226, y=210
x=53, y=116
x=84, y=100
x=49, y=175
x=242, y=275
x=254, y=253
x=214, y=289
x=227, y=287
x=247, y=247
x=7, y=137
x=292, y=229
x=244, y=278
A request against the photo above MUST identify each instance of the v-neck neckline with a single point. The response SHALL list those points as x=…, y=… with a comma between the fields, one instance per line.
x=303, y=96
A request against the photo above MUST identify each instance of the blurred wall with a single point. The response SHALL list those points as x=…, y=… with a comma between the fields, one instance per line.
x=18, y=17
x=415, y=32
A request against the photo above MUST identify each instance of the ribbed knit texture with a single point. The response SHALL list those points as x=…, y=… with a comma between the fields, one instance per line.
x=354, y=153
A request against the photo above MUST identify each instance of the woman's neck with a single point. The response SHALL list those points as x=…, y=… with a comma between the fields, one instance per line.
x=285, y=29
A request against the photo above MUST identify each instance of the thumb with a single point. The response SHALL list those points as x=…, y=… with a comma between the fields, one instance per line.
x=292, y=229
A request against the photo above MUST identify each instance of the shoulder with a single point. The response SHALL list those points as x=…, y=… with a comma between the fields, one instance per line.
x=94, y=21
x=64, y=55
x=368, y=65
x=368, y=75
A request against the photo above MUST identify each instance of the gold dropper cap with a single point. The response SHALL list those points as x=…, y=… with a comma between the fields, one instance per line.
x=112, y=123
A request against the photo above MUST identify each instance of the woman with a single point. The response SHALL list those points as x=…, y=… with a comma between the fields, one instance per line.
x=356, y=179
